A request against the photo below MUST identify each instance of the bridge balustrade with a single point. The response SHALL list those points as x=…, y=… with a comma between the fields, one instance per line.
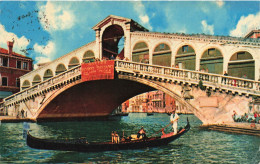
x=41, y=87
x=232, y=84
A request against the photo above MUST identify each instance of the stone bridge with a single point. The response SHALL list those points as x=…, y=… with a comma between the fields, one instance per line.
x=187, y=67
x=211, y=97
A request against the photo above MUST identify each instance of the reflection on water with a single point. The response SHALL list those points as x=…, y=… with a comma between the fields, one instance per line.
x=196, y=146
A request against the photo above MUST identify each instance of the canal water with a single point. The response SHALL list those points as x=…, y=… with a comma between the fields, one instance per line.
x=196, y=146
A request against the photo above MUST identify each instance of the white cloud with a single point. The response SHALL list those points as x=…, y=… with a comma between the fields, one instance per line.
x=56, y=16
x=207, y=29
x=44, y=53
x=20, y=44
x=40, y=59
x=144, y=18
x=47, y=50
x=220, y=3
x=246, y=24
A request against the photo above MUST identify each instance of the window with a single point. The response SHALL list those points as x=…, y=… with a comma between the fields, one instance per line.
x=185, y=48
x=19, y=64
x=162, y=46
x=211, y=51
x=25, y=65
x=4, y=81
x=5, y=62
x=18, y=82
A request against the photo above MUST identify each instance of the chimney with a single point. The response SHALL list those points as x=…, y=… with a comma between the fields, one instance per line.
x=10, y=47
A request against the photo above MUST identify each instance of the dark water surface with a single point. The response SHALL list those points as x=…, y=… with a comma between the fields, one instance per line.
x=196, y=146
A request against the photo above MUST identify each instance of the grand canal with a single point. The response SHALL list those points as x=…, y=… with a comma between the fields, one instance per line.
x=197, y=146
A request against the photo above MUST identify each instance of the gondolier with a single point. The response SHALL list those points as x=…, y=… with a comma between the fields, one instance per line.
x=174, y=120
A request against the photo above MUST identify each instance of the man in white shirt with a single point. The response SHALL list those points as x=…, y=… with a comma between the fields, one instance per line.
x=174, y=120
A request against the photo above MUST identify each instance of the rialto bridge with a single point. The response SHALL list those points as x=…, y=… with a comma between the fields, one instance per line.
x=84, y=83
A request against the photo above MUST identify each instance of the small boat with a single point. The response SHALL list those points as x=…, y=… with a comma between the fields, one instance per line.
x=119, y=114
x=149, y=114
x=83, y=146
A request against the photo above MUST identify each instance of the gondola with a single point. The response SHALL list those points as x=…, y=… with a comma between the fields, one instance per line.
x=83, y=146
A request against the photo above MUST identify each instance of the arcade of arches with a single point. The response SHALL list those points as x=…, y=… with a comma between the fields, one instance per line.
x=212, y=61
x=186, y=58
x=242, y=64
x=36, y=79
x=141, y=53
x=162, y=55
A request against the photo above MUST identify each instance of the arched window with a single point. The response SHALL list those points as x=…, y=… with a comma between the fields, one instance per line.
x=60, y=68
x=48, y=74
x=212, y=61
x=186, y=58
x=88, y=57
x=26, y=84
x=73, y=62
x=162, y=55
x=242, y=65
x=36, y=80
x=140, y=53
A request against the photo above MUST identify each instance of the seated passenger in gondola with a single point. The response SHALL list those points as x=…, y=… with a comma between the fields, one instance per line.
x=112, y=137
x=116, y=137
x=141, y=132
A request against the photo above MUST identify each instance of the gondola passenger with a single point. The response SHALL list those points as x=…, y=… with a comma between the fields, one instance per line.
x=116, y=137
x=112, y=136
x=141, y=132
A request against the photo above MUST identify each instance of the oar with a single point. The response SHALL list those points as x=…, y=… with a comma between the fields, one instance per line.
x=161, y=129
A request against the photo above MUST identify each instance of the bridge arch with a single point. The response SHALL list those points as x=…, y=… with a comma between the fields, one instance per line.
x=26, y=84
x=242, y=65
x=74, y=61
x=254, y=55
x=36, y=79
x=212, y=60
x=88, y=56
x=47, y=74
x=162, y=54
x=140, y=52
x=186, y=55
x=111, y=37
x=60, y=68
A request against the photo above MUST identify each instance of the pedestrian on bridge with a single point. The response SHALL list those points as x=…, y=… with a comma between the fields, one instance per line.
x=174, y=120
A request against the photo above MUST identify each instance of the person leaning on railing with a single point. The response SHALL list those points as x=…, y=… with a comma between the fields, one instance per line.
x=224, y=79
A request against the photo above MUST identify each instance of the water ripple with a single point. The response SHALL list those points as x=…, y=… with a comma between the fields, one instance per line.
x=197, y=146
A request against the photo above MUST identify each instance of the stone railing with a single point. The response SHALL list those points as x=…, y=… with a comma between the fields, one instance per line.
x=209, y=80
x=214, y=81
x=38, y=88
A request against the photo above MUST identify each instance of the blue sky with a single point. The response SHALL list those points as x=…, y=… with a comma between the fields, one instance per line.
x=46, y=30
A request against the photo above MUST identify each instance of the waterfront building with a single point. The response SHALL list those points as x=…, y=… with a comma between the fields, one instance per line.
x=153, y=102
x=253, y=34
x=138, y=103
x=159, y=102
x=12, y=67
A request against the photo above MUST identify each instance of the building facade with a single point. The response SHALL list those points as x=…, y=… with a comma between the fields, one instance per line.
x=150, y=102
x=255, y=34
x=12, y=66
